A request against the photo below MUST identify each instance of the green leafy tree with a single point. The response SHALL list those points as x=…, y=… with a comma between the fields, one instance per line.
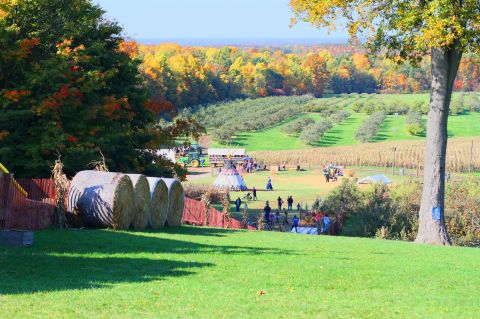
x=414, y=123
x=410, y=30
x=67, y=87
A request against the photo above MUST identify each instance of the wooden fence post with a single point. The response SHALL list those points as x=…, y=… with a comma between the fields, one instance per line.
x=7, y=201
x=3, y=200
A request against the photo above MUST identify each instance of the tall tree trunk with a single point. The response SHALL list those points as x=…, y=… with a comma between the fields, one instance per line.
x=445, y=62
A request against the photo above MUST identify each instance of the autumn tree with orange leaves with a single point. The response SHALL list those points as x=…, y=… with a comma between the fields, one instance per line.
x=70, y=85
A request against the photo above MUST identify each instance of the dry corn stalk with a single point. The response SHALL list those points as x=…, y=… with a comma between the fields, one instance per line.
x=206, y=199
x=462, y=155
x=100, y=166
x=226, y=208
x=62, y=185
x=245, y=218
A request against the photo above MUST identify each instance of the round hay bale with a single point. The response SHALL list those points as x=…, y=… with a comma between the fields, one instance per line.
x=176, y=199
x=158, y=202
x=103, y=200
x=141, y=201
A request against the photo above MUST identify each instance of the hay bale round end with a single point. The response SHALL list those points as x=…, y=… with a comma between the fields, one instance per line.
x=102, y=199
x=141, y=201
x=176, y=197
x=158, y=202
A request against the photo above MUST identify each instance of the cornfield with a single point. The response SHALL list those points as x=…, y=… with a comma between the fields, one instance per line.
x=463, y=155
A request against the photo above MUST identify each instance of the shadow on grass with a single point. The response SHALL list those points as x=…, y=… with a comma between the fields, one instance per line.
x=83, y=259
x=332, y=136
x=190, y=173
x=328, y=140
x=383, y=132
x=31, y=273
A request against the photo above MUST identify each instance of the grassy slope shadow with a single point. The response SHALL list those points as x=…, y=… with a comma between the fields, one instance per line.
x=65, y=260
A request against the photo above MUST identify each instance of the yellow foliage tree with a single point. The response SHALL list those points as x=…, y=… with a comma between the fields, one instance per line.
x=410, y=30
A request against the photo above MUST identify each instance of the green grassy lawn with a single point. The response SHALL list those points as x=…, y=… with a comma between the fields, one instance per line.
x=343, y=134
x=214, y=273
x=393, y=129
x=272, y=138
x=407, y=98
x=464, y=125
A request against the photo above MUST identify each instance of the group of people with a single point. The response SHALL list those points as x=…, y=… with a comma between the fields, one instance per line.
x=271, y=218
x=280, y=203
x=331, y=172
x=249, y=165
x=183, y=150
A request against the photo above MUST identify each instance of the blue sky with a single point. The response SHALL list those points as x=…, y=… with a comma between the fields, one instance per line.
x=212, y=19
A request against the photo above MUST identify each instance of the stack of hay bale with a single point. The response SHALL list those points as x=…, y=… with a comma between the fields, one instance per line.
x=124, y=201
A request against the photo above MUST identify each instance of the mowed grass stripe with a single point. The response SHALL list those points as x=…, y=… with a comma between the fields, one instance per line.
x=344, y=132
x=213, y=273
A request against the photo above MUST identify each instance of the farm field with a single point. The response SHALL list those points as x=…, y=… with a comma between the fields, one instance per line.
x=343, y=133
x=304, y=186
x=214, y=273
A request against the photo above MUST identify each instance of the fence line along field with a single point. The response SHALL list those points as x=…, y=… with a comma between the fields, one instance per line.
x=463, y=155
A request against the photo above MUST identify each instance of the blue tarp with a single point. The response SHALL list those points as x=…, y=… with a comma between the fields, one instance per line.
x=306, y=230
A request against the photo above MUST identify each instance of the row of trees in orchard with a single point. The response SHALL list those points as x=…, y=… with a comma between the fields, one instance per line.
x=69, y=88
x=185, y=76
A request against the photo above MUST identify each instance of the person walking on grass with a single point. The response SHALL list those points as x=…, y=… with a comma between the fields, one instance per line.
x=290, y=202
x=285, y=219
x=318, y=221
x=238, y=203
x=296, y=220
x=279, y=202
x=269, y=184
x=326, y=224
x=266, y=212
x=326, y=173
x=254, y=191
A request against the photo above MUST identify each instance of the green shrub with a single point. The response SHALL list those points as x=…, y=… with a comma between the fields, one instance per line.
x=474, y=103
x=314, y=132
x=370, y=127
x=392, y=212
x=222, y=135
x=340, y=116
x=358, y=107
x=346, y=198
x=298, y=125
x=462, y=212
x=322, y=107
x=414, y=123
x=457, y=106
x=420, y=107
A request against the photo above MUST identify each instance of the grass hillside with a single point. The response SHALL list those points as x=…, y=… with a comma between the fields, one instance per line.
x=213, y=273
x=343, y=134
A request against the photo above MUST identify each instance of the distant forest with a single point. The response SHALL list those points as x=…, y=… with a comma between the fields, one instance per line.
x=182, y=76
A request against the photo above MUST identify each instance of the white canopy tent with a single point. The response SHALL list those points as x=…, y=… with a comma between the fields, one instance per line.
x=226, y=152
x=375, y=179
